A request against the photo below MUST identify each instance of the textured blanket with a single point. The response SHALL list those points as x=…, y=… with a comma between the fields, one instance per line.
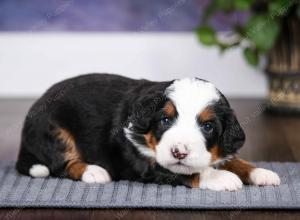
x=22, y=191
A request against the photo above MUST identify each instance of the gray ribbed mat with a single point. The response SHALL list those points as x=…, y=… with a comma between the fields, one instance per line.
x=22, y=191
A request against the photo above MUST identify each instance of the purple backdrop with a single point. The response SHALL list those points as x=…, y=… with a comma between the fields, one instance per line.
x=106, y=15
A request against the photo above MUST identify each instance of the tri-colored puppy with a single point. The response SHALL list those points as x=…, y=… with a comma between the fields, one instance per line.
x=100, y=128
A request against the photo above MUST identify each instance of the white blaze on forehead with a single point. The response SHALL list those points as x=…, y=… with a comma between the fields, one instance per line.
x=191, y=95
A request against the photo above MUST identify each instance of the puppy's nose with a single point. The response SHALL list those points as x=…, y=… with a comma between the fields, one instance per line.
x=177, y=154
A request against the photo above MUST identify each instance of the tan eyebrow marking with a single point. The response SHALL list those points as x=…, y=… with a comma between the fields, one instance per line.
x=206, y=115
x=170, y=109
x=150, y=138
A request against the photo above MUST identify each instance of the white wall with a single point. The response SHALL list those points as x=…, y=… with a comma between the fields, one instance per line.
x=31, y=62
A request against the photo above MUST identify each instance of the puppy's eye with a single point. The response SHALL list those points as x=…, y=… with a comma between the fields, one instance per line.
x=208, y=127
x=166, y=121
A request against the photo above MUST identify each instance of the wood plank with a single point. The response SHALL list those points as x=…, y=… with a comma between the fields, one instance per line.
x=143, y=214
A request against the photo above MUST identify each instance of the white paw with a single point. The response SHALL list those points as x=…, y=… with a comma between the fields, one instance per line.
x=219, y=180
x=95, y=174
x=263, y=177
x=39, y=171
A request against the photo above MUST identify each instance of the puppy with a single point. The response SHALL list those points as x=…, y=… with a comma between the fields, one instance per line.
x=99, y=128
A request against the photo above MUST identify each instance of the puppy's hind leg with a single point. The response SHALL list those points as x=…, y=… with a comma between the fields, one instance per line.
x=28, y=164
x=76, y=167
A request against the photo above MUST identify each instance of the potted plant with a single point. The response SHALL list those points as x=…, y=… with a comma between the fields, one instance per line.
x=271, y=30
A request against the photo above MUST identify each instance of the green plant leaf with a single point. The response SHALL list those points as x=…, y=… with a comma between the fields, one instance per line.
x=207, y=35
x=225, y=46
x=262, y=31
x=251, y=56
x=242, y=4
x=225, y=5
x=278, y=7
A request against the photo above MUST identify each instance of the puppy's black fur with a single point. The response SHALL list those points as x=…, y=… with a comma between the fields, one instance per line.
x=95, y=108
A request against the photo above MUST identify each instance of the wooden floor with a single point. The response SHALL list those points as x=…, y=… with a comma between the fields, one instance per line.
x=269, y=138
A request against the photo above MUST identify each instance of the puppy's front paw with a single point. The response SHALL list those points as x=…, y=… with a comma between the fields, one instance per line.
x=95, y=174
x=219, y=180
x=263, y=177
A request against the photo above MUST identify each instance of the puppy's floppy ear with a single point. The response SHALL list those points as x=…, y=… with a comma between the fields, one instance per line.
x=233, y=136
x=144, y=109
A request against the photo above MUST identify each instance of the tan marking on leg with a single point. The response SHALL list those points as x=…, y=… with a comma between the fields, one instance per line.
x=75, y=166
x=76, y=169
x=195, y=181
x=240, y=167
